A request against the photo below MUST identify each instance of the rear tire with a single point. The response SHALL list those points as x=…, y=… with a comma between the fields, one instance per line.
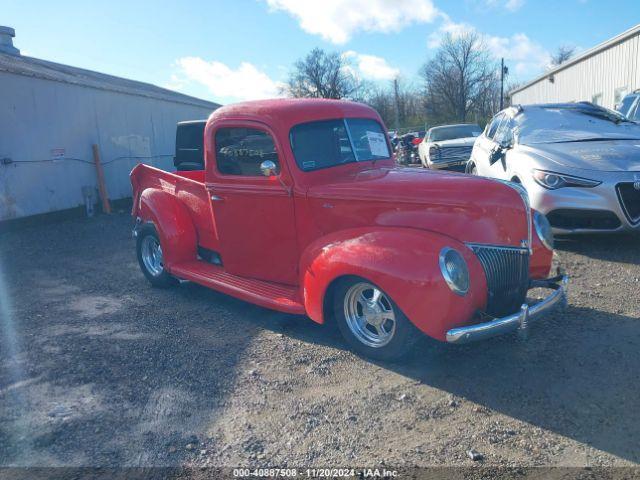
x=149, y=253
x=371, y=323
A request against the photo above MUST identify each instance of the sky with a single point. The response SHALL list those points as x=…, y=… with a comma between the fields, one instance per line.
x=233, y=50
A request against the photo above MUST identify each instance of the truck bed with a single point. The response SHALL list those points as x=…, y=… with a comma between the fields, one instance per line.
x=189, y=187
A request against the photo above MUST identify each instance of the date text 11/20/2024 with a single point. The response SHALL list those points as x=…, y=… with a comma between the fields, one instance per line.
x=314, y=473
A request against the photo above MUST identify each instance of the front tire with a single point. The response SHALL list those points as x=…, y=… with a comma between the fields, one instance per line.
x=149, y=253
x=371, y=322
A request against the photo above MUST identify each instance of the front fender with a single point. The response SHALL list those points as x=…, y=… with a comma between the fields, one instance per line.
x=173, y=224
x=541, y=257
x=405, y=264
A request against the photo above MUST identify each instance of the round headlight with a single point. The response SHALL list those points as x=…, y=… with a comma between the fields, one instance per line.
x=454, y=270
x=543, y=229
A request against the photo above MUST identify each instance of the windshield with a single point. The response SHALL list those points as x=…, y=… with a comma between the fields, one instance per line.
x=572, y=123
x=328, y=143
x=453, y=132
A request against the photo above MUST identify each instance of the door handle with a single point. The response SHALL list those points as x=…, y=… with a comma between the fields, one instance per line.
x=216, y=198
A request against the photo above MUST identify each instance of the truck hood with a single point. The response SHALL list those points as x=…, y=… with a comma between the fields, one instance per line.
x=456, y=142
x=603, y=155
x=467, y=208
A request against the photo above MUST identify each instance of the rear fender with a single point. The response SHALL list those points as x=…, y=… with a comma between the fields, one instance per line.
x=405, y=264
x=173, y=224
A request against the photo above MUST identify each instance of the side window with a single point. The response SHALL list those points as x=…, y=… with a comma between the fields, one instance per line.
x=504, y=135
x=493, y=126
x=625, y=106
x=634, y=114
x=240, y=151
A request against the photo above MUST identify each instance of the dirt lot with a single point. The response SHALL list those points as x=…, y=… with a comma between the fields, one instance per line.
x=98, y=368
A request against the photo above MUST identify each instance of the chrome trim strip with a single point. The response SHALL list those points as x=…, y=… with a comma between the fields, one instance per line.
x=519, y=321
x=523, y=250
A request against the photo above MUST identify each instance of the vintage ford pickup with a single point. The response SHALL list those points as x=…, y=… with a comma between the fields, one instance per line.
x=300, y=208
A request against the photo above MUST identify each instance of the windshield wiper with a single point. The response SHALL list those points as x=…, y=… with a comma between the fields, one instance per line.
x=601, y=114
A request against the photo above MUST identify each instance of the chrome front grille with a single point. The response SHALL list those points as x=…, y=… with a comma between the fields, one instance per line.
x=507, y=272
x=452, y=154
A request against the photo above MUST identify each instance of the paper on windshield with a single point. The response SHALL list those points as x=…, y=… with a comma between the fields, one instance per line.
x=377, y=144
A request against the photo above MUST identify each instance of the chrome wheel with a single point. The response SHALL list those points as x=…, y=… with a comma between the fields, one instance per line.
x=151, y=253
x=369, y=315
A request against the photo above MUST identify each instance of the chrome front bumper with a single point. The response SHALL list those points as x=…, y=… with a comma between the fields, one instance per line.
x=519, y=321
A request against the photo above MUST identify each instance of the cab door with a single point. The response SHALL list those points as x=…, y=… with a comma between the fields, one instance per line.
x=253, y=213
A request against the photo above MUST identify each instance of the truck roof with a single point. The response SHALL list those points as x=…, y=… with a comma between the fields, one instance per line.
x=291, y=111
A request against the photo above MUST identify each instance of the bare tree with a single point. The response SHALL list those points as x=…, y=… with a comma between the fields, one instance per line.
x=324, y=75
x=460, y=81
x=564, y=53
x=400, y=104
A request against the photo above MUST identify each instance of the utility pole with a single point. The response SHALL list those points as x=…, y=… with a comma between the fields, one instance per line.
x=396, y=96
x=503, y=71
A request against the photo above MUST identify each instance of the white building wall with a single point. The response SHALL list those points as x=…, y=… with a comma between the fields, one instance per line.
x=41, y=120
x=616, y=68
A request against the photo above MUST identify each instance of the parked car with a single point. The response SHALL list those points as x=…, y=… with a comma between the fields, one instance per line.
x=580, y=163
x=630, y=106
x=330, y=228
x=448, y=147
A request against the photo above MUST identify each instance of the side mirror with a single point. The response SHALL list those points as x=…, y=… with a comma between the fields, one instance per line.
x=268, y=168
x=496, y=154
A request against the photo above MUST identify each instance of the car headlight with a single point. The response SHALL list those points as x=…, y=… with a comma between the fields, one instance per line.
x=454, y=270
x=543, y=229
x=552, y=180
x=433, y=152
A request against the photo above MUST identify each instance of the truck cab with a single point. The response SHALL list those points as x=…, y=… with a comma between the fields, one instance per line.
x=300, y=208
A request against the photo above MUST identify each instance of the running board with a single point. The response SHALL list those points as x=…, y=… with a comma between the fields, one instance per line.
x=283, y=298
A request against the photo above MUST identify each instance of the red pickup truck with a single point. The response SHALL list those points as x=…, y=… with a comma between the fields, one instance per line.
x=300, y=208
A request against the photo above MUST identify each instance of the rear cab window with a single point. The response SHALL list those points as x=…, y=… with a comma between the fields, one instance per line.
x=327, y=143
x=241, y=151
x=189, y=145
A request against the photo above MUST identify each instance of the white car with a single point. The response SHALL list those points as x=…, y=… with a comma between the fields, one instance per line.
x=449, y=146
x=579, y=163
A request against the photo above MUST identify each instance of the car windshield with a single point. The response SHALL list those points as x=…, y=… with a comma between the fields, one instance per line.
x=455, y=131
x=328, y=143
x=572, y=123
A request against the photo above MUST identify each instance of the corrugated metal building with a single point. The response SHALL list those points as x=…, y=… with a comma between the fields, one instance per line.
x=52, y=114
x=602, y=75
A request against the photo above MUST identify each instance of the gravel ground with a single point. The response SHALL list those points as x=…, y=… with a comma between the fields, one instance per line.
x=98, y=368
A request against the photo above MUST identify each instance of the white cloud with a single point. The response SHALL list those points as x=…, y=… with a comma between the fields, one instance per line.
x=511, y=5
x=528, y=56
x=338, y=20
x=524, y=56
x=371, y=66
x=450, y=27
x=243, y=83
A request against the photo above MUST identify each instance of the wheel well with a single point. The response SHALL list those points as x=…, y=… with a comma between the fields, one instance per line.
x=327, y=301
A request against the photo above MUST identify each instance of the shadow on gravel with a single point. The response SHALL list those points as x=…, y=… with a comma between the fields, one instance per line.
x=620, y=248
x=577, y=375
x=108, y=371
